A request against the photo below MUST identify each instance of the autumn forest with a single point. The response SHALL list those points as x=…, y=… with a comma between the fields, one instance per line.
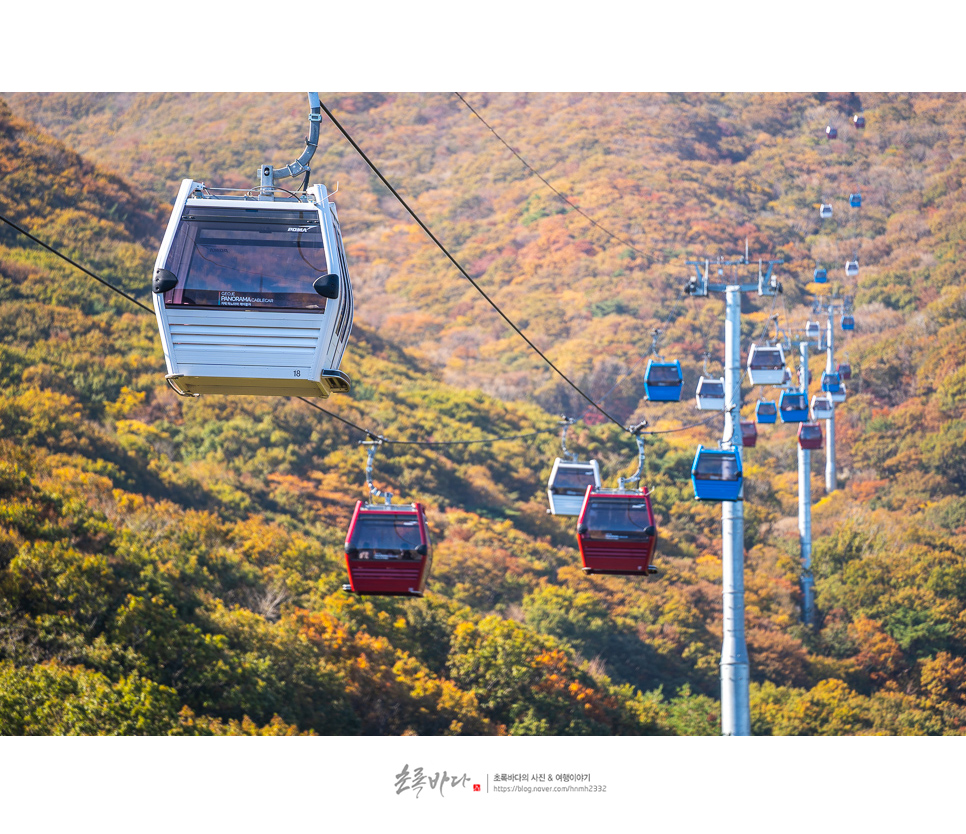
x=174, y=566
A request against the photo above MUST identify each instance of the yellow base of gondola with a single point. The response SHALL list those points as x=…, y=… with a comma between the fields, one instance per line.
x=332, y=382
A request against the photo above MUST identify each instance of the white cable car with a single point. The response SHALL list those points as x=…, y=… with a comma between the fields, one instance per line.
x=710, y=394
x=822, y=408
x=568, y=484
x=851, y=268
x=824, y=211
x=766, y=365
x=838, y=396
x=813, y=332
x=251, y=290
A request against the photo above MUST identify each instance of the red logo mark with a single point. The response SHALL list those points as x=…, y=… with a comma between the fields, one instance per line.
x=476, y=787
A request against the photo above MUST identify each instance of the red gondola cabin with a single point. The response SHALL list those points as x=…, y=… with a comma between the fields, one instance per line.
x=810, y=435
x=749, y=433
x=387, y=550
x=616, y=532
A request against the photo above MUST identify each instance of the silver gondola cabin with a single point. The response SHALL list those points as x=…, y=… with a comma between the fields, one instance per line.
x=252, y=295
x=251, y=288
x=766, y=365
x=568, y=484
x=822, y=407
x=710, y=394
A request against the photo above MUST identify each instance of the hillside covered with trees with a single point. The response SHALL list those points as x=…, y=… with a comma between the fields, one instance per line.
x=171, y=565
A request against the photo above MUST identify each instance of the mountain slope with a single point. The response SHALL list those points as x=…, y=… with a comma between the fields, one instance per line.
x=175, y=566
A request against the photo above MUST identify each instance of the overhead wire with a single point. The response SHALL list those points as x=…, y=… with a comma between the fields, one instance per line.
x=74, y=263
x=580, y=211
x=384, y=439
x=463, y=271
x=540, y=177
x=362, y=429
x=636, y=365
x=476, y=285
x=367, y=432
x=606, y=231
x=595, y=404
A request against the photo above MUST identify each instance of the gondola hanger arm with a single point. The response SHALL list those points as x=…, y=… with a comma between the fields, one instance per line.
x=565, y=424
x=300, y=165
x=374, y=492
x=636, y=477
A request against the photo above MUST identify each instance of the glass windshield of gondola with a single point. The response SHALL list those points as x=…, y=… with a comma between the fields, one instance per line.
x=663, y=374
x=766, y=408
x=385, y=535
x=711, y=388
x=766, y=359
x=716, y=466
x=793, y=402
x=255, y=258
x=572, y=480
x=625, y=517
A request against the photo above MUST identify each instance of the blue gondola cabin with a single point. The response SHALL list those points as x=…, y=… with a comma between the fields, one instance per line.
x=716, y=474
x=663, y=381
x=766, y=412
x=831, y=382
x=793, y=407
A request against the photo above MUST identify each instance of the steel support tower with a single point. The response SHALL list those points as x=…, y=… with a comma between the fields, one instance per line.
x=831, y=306
x=805, y=505
x=735, y=710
